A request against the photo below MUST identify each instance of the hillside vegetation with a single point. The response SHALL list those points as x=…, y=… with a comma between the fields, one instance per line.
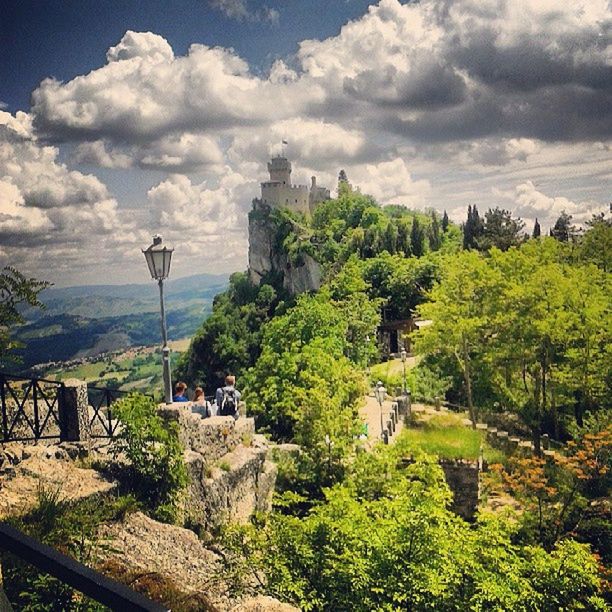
x=521, y=331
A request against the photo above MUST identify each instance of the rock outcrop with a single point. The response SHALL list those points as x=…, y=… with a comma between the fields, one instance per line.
x=142, y=547
x=266, y=258
x=229, y=474
x=26, y=470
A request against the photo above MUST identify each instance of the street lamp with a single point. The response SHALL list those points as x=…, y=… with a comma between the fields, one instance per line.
x=403, y=356
x=158, y=259
x=380, y=393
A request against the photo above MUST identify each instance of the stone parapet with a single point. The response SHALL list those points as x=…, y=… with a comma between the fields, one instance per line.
x=211, y=437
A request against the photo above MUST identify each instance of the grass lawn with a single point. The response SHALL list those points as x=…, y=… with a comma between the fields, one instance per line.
x=447, y=438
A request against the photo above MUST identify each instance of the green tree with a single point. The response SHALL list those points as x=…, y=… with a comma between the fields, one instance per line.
x=417, y=238
x=435, y=240
x=403, y=238
x=384, y=539
x=390, y=238
x=500, y=230
x=472, y=228
x=563, y=230
x=444, y=222
x=537, y=230
x=596, y=243
x=459, y=311
x=16, y=291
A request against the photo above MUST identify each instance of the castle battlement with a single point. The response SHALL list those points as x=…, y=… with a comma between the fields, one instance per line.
x=278, y=192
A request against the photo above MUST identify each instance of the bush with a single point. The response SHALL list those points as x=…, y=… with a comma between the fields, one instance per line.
x=156, y=472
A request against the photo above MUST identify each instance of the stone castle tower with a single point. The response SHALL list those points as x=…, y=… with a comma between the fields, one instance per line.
x=278, y=192
x=264, y=257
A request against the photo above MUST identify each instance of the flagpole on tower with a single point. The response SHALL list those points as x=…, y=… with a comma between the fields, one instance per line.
x=284, y=143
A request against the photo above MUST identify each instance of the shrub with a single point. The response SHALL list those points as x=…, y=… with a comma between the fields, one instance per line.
x=156, y=472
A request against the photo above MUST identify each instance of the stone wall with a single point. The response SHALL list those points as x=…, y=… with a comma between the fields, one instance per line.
x=212, y=437
x=229, y=474
x=463, y=478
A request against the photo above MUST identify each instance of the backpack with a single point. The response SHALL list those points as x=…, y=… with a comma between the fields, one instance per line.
x=228, y=403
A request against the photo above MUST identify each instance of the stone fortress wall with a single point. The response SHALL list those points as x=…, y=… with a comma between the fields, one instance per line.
x=278, y=192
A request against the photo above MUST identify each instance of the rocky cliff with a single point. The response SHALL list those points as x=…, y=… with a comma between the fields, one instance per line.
x=267, y=258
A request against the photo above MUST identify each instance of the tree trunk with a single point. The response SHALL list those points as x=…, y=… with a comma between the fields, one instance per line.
x=468, y=383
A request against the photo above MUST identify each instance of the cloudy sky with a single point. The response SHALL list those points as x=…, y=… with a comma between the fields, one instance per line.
x=124, y=118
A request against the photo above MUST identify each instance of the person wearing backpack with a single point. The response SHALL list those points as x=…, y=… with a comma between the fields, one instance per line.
x=228, y=398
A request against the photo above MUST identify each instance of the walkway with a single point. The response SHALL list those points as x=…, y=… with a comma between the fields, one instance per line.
x=370, y=414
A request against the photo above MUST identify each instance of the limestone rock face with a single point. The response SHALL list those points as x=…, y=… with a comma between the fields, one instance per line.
x=307, y=277
x=266, y=258
x=140, y=545
x=261, y=236
x=229, y=474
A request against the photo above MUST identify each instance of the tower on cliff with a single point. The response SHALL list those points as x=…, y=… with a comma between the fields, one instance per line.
x=278, y=192
x=265, y=257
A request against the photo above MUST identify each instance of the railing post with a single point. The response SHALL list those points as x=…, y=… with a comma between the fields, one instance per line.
x=34, y=387
x=3, y=407
x=74, y=412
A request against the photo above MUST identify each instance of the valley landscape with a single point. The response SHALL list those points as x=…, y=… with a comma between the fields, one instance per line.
x=81, y=323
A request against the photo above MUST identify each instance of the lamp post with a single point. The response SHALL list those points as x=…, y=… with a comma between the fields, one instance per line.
x=380, y=392
x=158, y=259
x=403, y=356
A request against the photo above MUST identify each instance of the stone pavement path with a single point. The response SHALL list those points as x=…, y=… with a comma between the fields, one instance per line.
x=370, y=414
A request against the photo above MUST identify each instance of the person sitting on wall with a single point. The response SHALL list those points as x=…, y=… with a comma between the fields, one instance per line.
x=201, y=405
x=227, y=398
x=180, y=392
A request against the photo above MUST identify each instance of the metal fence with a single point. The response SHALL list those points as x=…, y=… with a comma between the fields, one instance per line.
x=101, y=420
x=69, y=571
x=30, y=408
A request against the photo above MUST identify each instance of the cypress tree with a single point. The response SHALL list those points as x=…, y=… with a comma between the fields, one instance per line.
x=444, y=222
x=417, y=238
x=434, y=233
x=537, y=231
x=403, y=238
x=468, y=229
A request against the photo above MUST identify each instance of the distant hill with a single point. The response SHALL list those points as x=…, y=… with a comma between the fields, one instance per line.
x=88, y=320
x=100, y=301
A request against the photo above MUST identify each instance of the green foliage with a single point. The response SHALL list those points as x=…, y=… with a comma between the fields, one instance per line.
x=16, y=291
x=472, y=228
x=563, y=230
x=596, y=244
x=229, y=340
x=156, y=471
x=69, y=526
x=500, y=230
x=401, y=282
x=547, y=355
x=306, y=384
x=384, y=539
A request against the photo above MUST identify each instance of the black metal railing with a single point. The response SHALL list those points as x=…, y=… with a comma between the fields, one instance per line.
x=30, y=408
x=69, y=571
x=101, y=420
x=100, y=402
